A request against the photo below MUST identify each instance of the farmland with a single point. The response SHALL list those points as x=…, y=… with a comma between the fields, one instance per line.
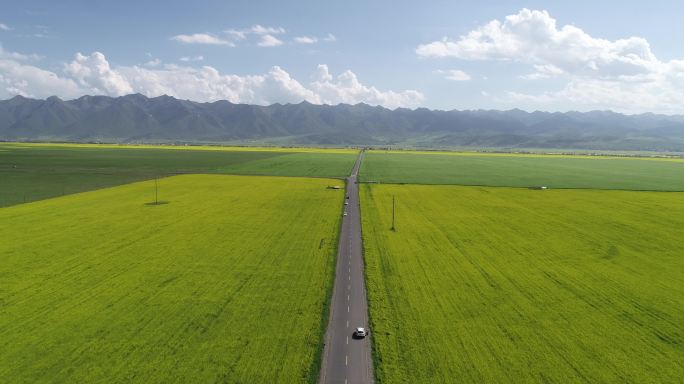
x=514, y=285
x=30, y=172
x=220, y=284
x=513, y=170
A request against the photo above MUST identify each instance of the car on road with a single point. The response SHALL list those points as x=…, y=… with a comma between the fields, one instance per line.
x=346, y=203
x=344, y=214
x=360, y=332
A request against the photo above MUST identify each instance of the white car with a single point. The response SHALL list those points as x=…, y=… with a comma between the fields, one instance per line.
x=360, y=332
x=346, y=203
x=344, y=214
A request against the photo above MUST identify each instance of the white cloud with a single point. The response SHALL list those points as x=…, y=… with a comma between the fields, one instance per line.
x=5, y=27
x=236, y=34
x=269, y=41
x=531, y=36
x=153, y=63
x=543, y=71
x=202, y=38
x=257, y=30
x=192, y=58
x=262, y=36
x=305, y=40
x=93, y=74
x=346, y=88
x=18, y=56
x=19, y=78
x=625, y=70
x=260, y=30
x=454, y=74
x=313, y=39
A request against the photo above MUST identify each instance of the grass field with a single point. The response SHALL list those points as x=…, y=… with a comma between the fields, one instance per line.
x=219, y=285
x=30, y=172
x=493, y=285
x=524, y=170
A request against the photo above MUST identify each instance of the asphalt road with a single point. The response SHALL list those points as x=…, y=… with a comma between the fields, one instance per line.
x=346, y=359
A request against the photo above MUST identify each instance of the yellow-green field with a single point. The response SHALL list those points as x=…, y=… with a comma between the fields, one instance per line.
x=221, y=284
x=493, y=285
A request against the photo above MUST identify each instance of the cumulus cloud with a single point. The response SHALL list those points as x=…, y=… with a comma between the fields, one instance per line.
x=202, y=38
x=5, y=27
x=19, y=78
x=622, y=68
x=93, y=74
x=269, y=41
x=346, y=88
x=305, y=40
x=454, y=74
x=532, y=36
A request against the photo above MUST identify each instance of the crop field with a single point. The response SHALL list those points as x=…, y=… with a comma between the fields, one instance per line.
x=297, y=164
x=219, y=284
x=30, y=172
x=491, y=285
x=524, y=170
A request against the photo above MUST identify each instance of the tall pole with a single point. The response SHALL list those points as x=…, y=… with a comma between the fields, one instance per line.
x=393, y=214
x=156, y=192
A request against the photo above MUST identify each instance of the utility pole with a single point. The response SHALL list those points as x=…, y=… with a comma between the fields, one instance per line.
x=393, y=228
x=156, y=192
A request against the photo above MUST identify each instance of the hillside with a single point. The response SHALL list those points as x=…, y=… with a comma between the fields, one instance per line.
x=136, y=118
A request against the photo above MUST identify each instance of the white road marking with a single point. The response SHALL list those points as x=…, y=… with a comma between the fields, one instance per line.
x=347, y=339
x=345, y=360
x=347, y=297
x=347, y=308
x=347, y=323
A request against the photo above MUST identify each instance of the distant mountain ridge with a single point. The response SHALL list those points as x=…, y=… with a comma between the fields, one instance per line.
x=137, y=118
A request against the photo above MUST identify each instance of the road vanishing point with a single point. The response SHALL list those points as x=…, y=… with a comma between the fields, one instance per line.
x=347, y=359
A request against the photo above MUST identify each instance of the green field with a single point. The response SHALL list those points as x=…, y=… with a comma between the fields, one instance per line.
x=493, y=285
x=524, y=170
x=221, y=284
x=297, y=164
x=30, y=172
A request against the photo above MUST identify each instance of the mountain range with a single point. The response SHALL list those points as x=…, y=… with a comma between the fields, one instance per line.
x=165, y=119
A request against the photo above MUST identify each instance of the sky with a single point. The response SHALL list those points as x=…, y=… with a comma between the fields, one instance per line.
x=624, y=56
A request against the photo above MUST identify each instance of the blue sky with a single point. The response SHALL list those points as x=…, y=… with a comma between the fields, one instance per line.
x=553, y=55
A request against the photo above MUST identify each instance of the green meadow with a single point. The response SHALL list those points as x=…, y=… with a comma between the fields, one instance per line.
x=30, y=172
x=218, y=284
x=493, y=285
x=511, y=170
